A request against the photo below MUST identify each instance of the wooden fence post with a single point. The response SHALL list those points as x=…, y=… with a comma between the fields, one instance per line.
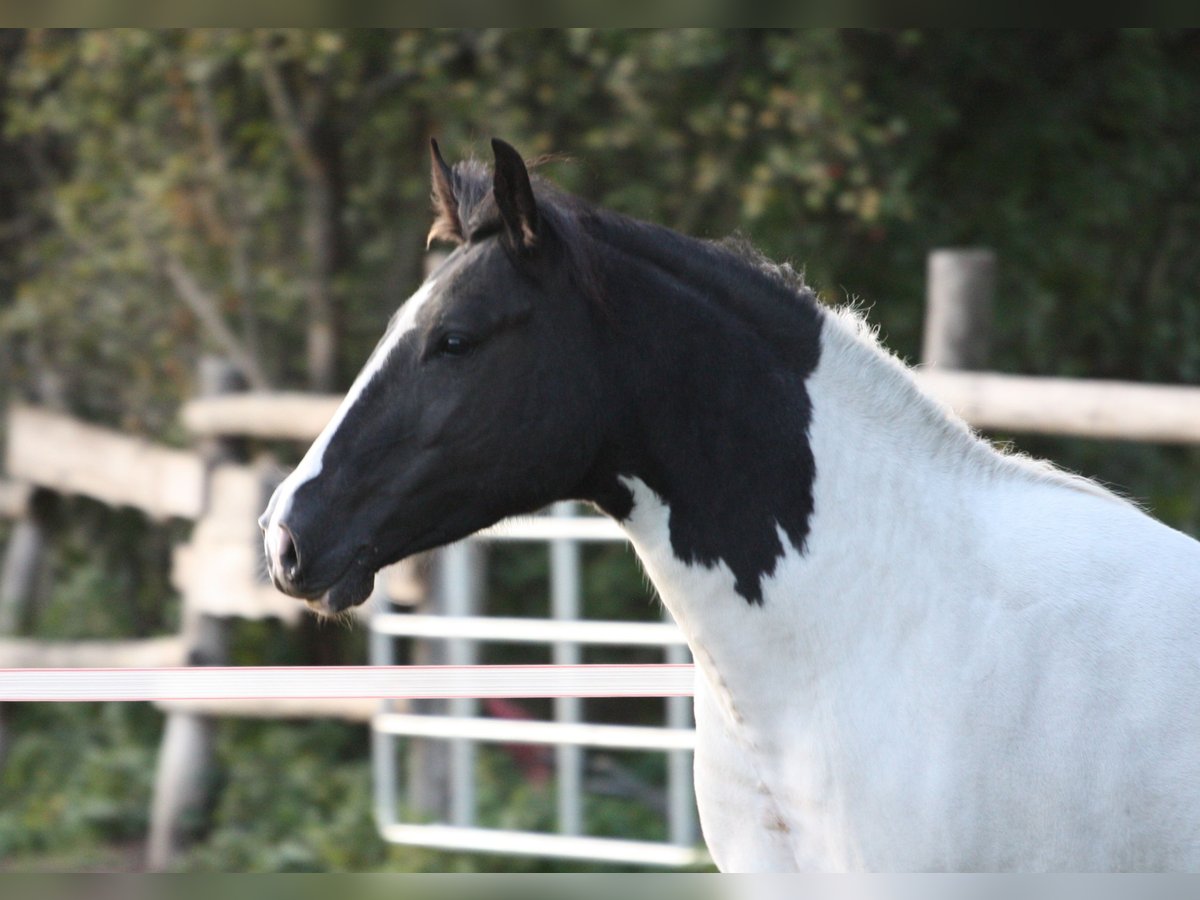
x=25, y=555
x=958, y=308
x=22, y=570
x=184, y=779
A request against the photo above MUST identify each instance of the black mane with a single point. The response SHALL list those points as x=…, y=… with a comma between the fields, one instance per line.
x=582, y=230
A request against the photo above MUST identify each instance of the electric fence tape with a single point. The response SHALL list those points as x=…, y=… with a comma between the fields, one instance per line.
x=349, y=682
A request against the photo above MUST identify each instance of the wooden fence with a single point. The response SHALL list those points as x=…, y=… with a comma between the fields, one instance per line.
x=219, y=573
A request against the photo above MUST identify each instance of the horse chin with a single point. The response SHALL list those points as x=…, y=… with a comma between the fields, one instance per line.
x=352, y=590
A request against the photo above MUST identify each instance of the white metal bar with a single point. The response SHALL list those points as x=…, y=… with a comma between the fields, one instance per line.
x=533, y=843
x=529, y=731
x=381, y=652
x=567, y=733
x=681, y=803
x=548, y=528
x=565, y=607
x=379, y=682
x=533, y=631
x=459, y=577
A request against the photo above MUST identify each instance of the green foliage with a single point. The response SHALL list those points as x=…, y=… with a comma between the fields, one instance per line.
x=108, y=574
x=78, y=778
x=1073, y=156
x=314, y=782
x=313, y=779
x=148, y=148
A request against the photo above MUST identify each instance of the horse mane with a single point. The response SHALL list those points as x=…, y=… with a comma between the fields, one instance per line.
x=584, y=232
x=782, y=273
x=582, y=229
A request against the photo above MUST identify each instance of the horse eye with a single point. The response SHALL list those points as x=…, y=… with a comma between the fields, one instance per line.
x=454, y=344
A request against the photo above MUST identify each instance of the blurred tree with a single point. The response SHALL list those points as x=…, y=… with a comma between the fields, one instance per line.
x=264, y=192
x=259, y=192
x=1073, y=155
x=186, y=166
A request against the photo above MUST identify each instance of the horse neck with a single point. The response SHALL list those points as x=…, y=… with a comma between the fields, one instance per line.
x=888, y=509
x=887, y=454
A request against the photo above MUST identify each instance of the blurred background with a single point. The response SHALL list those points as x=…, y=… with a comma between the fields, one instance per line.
x=168, y=197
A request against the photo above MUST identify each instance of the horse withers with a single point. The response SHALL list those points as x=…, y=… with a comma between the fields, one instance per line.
x=914, y=652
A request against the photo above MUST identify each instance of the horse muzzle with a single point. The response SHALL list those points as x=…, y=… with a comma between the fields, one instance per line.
x=290, y=575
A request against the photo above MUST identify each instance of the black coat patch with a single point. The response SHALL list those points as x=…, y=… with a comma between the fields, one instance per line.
x=709, y=357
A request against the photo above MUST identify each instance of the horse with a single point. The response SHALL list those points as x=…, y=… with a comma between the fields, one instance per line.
x=914, y=651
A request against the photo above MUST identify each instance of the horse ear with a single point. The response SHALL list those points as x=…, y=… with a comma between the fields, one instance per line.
x=446, y=224
x=514, y=197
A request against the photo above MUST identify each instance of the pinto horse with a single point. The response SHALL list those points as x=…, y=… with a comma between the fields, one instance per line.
x=914, y=652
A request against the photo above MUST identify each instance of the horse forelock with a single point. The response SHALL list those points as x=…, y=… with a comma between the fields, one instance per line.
x=570, y=222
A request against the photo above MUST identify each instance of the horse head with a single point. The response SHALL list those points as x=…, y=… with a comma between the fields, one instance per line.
x=477, y=403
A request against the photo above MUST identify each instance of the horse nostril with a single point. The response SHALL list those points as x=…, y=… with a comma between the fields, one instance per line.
x=283, y=549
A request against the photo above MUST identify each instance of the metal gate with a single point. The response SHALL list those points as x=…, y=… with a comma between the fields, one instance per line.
x=463, y=729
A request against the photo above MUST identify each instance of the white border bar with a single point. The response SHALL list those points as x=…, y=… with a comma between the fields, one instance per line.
x=533, y=631
x=530, y=731
x=525, y=843
x=366, y=682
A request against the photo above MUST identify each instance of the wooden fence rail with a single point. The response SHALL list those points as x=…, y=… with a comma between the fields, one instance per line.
x=1083, y=407
x=146, y=653
x=14, y=499
x=1094, y=408
x=59, y=452
x=278, y=416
